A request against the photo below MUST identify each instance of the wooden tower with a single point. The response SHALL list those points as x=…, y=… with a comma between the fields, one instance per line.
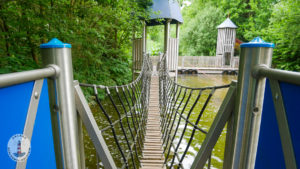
x=164, y=12
x=226, y=41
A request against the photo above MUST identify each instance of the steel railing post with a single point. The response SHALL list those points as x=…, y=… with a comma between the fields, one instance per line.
x=62, y=104
x=249, y=101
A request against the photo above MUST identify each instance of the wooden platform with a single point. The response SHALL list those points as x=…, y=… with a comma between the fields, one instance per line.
x=153, y=157
x=209, y=70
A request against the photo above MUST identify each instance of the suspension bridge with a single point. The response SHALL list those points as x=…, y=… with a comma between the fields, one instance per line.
x=152, y=122
x=152, y=126
x=157, y=106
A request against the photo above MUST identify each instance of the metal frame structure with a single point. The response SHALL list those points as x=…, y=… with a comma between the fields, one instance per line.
x=31, y=115
x=58, y=69
x=92, y=128
x=253, y=71
x=62, y=104
x=17, y=78
x=274, y=76
x=249, y=103
x=66, y=122
x=27, y=76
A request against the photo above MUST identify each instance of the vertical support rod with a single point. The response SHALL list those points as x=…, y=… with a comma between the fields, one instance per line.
x=250, y=95
x=166, y=38
x=133, y=53
x=144, y=38
x=177, y=50
x=166, y=51
x=63, y=107
x=229, y=143
x=232, y=48
x=81, y=142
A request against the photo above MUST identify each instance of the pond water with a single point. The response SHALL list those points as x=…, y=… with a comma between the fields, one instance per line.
x=201, y=80
x=204, y=80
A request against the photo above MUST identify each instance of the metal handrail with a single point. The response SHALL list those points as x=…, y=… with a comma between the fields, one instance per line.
x=26, y=76
x=276, y=74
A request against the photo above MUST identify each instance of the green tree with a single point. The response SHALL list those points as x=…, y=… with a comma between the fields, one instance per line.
x=284, y=31
x=100, y=32
x=251, y=16
x=199, y=32
x=274, y=20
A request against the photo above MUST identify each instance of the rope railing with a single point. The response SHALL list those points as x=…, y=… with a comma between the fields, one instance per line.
x=181, y=110
x=178, y=104
x=129, y=112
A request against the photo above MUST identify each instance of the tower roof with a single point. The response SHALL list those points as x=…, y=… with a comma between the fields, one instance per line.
x=227, y=24
x=164, y=9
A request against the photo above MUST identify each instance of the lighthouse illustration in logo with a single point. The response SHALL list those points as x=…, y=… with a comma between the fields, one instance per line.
x=18, y=147
x=19, y=152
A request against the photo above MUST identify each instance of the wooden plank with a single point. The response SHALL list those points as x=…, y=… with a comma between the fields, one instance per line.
x=153, y=150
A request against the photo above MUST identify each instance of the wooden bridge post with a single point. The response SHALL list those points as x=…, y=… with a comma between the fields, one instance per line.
x=167, y=37
x=166, y=52
x=177, y=50
x=133, y=52
x=250, y=96
x=144, y=38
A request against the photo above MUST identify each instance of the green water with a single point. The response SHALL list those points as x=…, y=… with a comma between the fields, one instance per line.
x=205, y=123
x=207, y=117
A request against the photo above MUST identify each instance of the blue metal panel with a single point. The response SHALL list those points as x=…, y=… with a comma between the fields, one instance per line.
x=270, y=153
x=291, y=97
x=42, y=147
x=14, y=103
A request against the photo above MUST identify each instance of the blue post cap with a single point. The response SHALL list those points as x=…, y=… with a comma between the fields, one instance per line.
x=257, y=43
x=55, y=43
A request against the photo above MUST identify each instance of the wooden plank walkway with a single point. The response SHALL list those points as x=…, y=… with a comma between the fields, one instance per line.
x=153, y=157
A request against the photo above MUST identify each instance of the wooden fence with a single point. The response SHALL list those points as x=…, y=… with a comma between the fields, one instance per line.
x=137, y=53
x=206, y=61
x=202, y=61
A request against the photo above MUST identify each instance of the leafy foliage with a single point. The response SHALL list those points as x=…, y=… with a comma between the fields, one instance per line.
x=100, y=32
x=276, y=21
x=284, y=30
x=199, y=32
